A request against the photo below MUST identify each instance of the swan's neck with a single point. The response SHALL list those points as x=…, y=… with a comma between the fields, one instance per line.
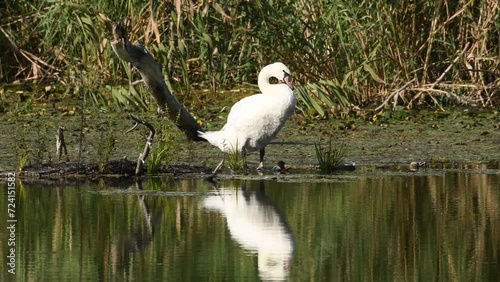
x=264, y=85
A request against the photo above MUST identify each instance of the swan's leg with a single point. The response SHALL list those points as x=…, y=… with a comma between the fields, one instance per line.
x=261, y=163
x=211, y=178
x=244, y=157
x=218, y=167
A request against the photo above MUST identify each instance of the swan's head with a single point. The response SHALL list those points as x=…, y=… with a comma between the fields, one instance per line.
x=277, y=70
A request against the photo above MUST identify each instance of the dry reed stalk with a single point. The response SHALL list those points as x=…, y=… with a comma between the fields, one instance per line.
x=432, y=85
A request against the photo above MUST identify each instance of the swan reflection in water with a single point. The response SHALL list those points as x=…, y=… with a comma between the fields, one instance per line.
x=257, y=226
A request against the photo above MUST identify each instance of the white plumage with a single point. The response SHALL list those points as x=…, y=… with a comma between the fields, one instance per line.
x=255, y=120
x=256, y=225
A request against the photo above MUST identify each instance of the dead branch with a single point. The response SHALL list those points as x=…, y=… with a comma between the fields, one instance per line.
x=151, y=74
x=397, y=92
x=149, y=143
x=432, y=85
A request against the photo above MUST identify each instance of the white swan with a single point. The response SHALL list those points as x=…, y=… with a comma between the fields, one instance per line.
x=255, y=224
x=255, y=120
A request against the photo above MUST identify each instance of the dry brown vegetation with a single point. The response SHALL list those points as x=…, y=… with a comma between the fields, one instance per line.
x=363, y=53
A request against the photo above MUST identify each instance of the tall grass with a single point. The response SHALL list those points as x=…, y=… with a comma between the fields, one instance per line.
x=341, y=53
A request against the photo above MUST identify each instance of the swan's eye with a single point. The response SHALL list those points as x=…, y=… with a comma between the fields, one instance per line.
x=273, y=80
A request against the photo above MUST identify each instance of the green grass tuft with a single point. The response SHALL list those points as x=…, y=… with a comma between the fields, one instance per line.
x=329, y=158
x=234, y=161
x=155, y=159
x=164, y=147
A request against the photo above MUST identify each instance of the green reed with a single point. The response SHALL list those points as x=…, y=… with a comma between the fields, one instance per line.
x=341, y=53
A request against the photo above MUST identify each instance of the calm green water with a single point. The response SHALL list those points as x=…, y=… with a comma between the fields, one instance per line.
x=361, y=226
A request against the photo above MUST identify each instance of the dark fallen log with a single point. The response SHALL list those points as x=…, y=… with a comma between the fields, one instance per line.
x=123, y=168
x=151, y=74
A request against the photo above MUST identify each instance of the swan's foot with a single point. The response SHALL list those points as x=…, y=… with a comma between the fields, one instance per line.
x=260, y=167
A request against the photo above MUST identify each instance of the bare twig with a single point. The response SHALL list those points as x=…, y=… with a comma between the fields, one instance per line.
x=397, y=92
x=149, y=142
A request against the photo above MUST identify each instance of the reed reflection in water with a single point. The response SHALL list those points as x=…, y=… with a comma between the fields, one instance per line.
x=360, y=226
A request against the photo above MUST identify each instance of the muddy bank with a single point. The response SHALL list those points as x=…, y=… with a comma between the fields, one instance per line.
x=441, y=140
x=122, y=169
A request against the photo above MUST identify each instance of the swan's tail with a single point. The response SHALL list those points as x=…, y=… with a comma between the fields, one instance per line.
x=213, y=137
x=201, y=134
x=221, y=140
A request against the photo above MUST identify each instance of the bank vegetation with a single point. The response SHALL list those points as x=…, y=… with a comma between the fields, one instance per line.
x=344, y=54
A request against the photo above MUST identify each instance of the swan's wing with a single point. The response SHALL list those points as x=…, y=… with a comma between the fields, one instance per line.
x=255, y=120
x=250, y=110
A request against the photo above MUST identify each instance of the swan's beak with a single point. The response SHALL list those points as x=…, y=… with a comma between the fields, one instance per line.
x=288, y=80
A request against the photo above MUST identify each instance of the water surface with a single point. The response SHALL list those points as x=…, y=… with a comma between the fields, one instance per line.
x=360, y=226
